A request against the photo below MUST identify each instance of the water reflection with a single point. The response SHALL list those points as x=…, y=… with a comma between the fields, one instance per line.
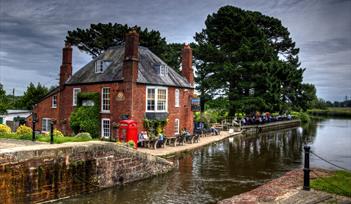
x=233, y=166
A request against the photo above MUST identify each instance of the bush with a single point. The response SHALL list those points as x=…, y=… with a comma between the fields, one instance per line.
x=131, y=143
x=24, y=130
x=57, y=133
x=304, y=117
x=5, y=129
x=84, y=135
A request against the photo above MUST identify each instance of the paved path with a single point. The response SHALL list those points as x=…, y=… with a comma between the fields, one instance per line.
x=10, y=143
x=169, y=150
x=288, y=190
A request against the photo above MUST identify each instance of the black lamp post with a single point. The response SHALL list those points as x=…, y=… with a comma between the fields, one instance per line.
x=51, y=132
x=34, y=120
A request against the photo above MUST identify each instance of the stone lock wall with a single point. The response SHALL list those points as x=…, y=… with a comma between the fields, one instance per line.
x=46, y=172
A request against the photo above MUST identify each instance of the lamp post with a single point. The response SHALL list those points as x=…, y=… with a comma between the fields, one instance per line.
x=51, y=132
x=34, y=120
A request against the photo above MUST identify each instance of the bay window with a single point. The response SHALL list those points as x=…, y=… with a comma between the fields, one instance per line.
x=156, y=99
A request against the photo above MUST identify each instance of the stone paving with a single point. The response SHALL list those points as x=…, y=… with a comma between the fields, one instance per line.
x=169, y=150
x=288, y=190
x=10, y=143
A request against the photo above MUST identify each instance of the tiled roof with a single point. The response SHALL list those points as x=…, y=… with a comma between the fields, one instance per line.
x=147, y=73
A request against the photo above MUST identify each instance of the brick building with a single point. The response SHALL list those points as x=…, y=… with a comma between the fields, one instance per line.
x=131, y=80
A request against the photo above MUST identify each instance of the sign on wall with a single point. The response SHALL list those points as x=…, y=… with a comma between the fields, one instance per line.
x=195, y=104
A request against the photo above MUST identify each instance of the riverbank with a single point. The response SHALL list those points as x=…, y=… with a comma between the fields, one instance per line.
x=270, y=126
x=339, y=112
x=168, y=151
x=287, y=189
x=37, y=173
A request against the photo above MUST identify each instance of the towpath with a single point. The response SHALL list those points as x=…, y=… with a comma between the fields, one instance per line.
x=170, y=150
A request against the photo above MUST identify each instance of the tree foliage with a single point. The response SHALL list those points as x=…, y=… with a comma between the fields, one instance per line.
x=86, y=118
x=248, y=58
x=3, y=100
x=99, y=37
x=32, y=96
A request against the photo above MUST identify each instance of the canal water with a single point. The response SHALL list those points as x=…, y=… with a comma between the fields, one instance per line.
x=235, y=165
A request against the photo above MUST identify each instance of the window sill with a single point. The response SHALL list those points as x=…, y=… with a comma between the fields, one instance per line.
x=106, y=112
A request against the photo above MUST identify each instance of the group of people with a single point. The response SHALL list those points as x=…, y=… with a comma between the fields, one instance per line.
x=263, y=118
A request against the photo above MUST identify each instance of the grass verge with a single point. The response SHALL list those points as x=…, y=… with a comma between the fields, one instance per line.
x=339, y=183
x=342, y=112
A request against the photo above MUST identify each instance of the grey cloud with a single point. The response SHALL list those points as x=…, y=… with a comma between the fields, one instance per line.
x=32, y=33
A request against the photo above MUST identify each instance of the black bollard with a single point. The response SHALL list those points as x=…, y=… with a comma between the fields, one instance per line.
x=33, y=132
x=51, y=132
x=306, y=169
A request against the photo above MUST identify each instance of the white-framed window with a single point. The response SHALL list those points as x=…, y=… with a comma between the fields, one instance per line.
x=54, y=101
x=105, y=128
x=102, y=65
x=76, y=91
x=105, y=99
x=176, y=98
x=45, y=124
x=156, y=99
x=176, y=126
x=161, y=69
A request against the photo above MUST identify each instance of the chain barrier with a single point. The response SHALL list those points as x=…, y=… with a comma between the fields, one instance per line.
x=321, y=158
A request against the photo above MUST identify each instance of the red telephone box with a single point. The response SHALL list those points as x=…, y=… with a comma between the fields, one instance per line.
x=128, y=131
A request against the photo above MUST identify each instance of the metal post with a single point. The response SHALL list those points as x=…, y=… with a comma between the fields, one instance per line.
x=306, y=169
x=51, y=132
x=33, y=132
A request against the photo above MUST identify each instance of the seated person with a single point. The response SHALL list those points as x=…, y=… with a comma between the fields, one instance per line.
x=186, y=134
x=160, y=139
x=214, y=130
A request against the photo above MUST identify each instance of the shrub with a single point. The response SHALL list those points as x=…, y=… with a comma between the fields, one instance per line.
x=84, y=135
x=5, y=129
x=24, y=130
x=131, y=143
x=304, y=117
x=58, y=133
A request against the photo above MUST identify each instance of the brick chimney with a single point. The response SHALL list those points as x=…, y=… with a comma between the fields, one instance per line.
x=66, y=67
x=187, y=63
x=131, y=56
x=130, y=71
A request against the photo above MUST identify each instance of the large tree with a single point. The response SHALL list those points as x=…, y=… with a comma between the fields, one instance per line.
x=3, y=100
x=99, y=37
x=33, y=95
x=249, y=58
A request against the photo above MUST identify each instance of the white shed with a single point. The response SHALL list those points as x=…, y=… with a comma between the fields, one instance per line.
x=12, y=114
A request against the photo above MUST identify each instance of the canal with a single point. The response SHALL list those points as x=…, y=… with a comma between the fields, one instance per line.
x=235, y=165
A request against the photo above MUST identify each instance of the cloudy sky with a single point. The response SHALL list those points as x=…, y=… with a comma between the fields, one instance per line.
x=32, y=34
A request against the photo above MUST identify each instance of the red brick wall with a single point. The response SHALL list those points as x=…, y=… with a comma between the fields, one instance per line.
x=183, y=112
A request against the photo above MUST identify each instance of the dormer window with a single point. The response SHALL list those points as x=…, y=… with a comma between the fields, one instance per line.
x=161, y=69
x=102, y=65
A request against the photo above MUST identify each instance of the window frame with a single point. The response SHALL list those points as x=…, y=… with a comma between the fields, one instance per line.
x=177, y=98
x=100, y=64
x=47, y=124
x=103, y=129
x=54, y=101
x=156, y=88
x=75, y=96
x=105, y=99
x=176, y=122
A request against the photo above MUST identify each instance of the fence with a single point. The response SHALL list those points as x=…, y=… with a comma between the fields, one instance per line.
x=307, y=170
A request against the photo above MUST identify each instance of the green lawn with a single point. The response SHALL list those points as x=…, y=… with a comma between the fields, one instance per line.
x=345, y=112
x=44, y=138
x=339, y=183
